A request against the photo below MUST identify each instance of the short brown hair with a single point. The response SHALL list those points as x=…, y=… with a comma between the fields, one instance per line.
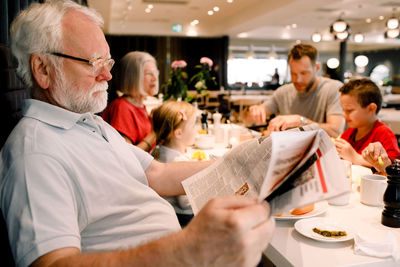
x=365, y=91
x=303, y=50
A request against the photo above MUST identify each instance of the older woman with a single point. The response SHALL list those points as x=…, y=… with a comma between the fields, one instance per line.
x=136, y=77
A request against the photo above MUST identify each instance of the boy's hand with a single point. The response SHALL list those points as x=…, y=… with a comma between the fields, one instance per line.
x=346, y=151
x=376, y=155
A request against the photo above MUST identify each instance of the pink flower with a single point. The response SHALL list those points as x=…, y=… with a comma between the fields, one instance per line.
x=206, y=60
x=178, y=64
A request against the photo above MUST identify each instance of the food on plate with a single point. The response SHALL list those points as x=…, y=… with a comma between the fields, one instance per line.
x=201, y=131
x=328, y=233
x=199, y=155
x=279, y=214
x=303, y=210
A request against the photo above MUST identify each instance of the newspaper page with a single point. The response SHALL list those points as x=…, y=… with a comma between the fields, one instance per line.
x=319, y=176
x=241, y=171
x=261, y=168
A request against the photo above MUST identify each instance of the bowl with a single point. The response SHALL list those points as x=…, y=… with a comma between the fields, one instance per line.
x=204, y=141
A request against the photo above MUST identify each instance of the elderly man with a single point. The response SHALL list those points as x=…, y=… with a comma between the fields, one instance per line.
x=308, y=99
x=73, y=192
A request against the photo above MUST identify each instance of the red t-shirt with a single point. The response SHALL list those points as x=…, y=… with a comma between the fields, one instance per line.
x=379, y=133
x=128, y=119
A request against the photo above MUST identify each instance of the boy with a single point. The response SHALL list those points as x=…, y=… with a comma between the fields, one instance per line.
x=361, y=101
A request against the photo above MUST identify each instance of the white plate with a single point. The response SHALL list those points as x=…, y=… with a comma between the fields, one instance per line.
x=319, y=208
x=305, y=227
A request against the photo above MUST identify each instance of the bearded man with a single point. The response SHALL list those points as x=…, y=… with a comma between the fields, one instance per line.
x=308, y=99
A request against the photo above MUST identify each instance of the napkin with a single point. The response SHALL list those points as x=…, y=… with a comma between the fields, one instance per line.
x=385, y=247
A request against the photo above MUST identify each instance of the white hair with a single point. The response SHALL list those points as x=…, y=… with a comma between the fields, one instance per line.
x=38, y=29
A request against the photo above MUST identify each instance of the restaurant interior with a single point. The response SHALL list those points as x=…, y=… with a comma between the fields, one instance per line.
x=249, y=40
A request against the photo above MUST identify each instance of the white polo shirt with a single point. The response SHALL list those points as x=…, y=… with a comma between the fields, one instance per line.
x=71, y=180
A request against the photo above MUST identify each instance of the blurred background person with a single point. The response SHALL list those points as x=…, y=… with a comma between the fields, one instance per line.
x=308, y=99
x=136, y=77
x=174, y=125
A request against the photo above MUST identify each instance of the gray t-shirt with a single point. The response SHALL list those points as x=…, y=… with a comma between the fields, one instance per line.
x=315, y=105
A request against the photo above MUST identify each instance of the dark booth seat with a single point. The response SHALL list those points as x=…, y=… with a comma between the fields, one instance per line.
x=11, y=96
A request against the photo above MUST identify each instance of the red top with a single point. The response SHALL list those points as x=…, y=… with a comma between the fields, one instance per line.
x=128, y=119
x=379, y=133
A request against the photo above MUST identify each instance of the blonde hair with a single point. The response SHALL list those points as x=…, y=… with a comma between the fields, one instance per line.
x=168, y=117
x=130, y=72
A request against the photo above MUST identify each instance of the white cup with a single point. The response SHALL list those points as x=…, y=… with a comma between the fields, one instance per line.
x=344, y=198
x=372, y=188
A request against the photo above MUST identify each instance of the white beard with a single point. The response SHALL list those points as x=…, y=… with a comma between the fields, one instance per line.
x=78, y=100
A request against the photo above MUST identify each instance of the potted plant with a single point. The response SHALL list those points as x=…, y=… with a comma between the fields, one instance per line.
x=203, y=76
x=176, y=85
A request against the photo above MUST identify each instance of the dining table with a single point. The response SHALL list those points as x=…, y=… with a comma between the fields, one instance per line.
x=289, y=247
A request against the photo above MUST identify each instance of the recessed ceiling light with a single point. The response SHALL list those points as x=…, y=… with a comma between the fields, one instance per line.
x=194, y=22
x=288, y=27
x=381, y=17
x=147, y=10
x=216, y=9
x=368, y=20
x=150, y=6
x=243, y=35
x=229, y=1
x=294, y=25
x=298, y=41
x=210, y=12
x=191, y=32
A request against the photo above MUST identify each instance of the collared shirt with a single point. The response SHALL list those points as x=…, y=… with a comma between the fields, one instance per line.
x=70, y=180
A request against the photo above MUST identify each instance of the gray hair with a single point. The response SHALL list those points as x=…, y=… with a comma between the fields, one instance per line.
x=130, y=73
x=38, y=29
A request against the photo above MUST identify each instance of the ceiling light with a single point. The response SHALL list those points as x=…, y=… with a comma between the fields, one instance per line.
x=392, y=23
x=229, y=1
x=332, y=63
x=361, y=61
x=243, y=35
x=150, y=6
x=288, y=27
x=216, y=9
x=342, y=35
x=381, y=17
x=368, y=20
x=339, y=25
x=392, y=33
x=316, y=37
x=194, y=22
x=358, y=37
x=147, y=10
x=191, y=32
x=210, y=12
x=340, y=29
x=294, y=25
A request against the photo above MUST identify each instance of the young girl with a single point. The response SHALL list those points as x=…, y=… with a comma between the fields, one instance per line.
x=361, y=101
x=174, y=126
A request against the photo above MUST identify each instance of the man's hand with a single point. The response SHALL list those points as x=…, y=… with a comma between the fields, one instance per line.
x=284, y=122
x=256, y=114
x=376, y=155
x=229, y=231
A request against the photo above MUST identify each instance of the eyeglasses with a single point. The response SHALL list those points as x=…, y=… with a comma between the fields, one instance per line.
x=97, y=64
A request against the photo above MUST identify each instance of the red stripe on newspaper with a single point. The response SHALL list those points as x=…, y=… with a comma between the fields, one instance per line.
x=321, y=174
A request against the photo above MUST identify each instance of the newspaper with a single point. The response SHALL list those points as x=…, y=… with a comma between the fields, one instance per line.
x=289, y=169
